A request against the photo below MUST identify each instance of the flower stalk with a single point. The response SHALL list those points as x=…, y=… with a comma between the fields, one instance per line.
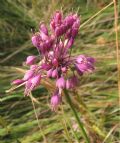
x=76, y=116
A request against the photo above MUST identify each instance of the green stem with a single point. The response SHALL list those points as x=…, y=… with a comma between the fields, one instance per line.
x=77, y=117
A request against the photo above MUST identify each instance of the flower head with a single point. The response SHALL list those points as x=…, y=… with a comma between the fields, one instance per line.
x=56, y=61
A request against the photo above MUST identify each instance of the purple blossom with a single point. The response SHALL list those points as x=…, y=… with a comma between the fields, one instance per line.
x=30, y=60
x=29, y=74
x=49, y=73
x=45, y=66
x=84, y=64
x=60, y=83
x=55, y=101
x=68, y=84
x=17, y=81
x=69, y=20
x=33, y=67
x=36, y=80
x=72, y=82
x=36, y=40
x=43, y=29
x=64, y=69
x=70, y=43
x=56, y=60
x=32, y=84
x=54, y=73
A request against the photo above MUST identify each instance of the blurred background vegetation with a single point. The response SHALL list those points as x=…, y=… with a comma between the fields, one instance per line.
x=97, y=98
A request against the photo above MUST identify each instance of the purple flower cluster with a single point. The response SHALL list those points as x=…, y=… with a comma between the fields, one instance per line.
x=56, y=60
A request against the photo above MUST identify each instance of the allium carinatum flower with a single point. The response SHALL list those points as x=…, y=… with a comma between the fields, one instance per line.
x=54, y=47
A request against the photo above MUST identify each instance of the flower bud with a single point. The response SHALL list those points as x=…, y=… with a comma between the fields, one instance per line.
x=76, y=24
x=55, y=101
x=36, y=80
x=91, y=60
x=58, y=17
x=68, y=84
x=64, y=69
x=82, y=67
x=36, y=40
x=75, y=27
x=33, y=67
x=46, y=66
x=72, y=82
x=55, y=73
x=58, y=31
x=29, y=74
x=41, y=48
x=55, y=62
x=17, y=81
x=44, y=36
x=69, y=20
x=74, y=32
x=60, y=83
x=68, y=34
x=49, y=73
x=84, y=64
x=49, y=43
x=30, y=60
x=70, y=43
x=52, y=25
x=80, y=59
x=63, y=29
x=44, y=29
